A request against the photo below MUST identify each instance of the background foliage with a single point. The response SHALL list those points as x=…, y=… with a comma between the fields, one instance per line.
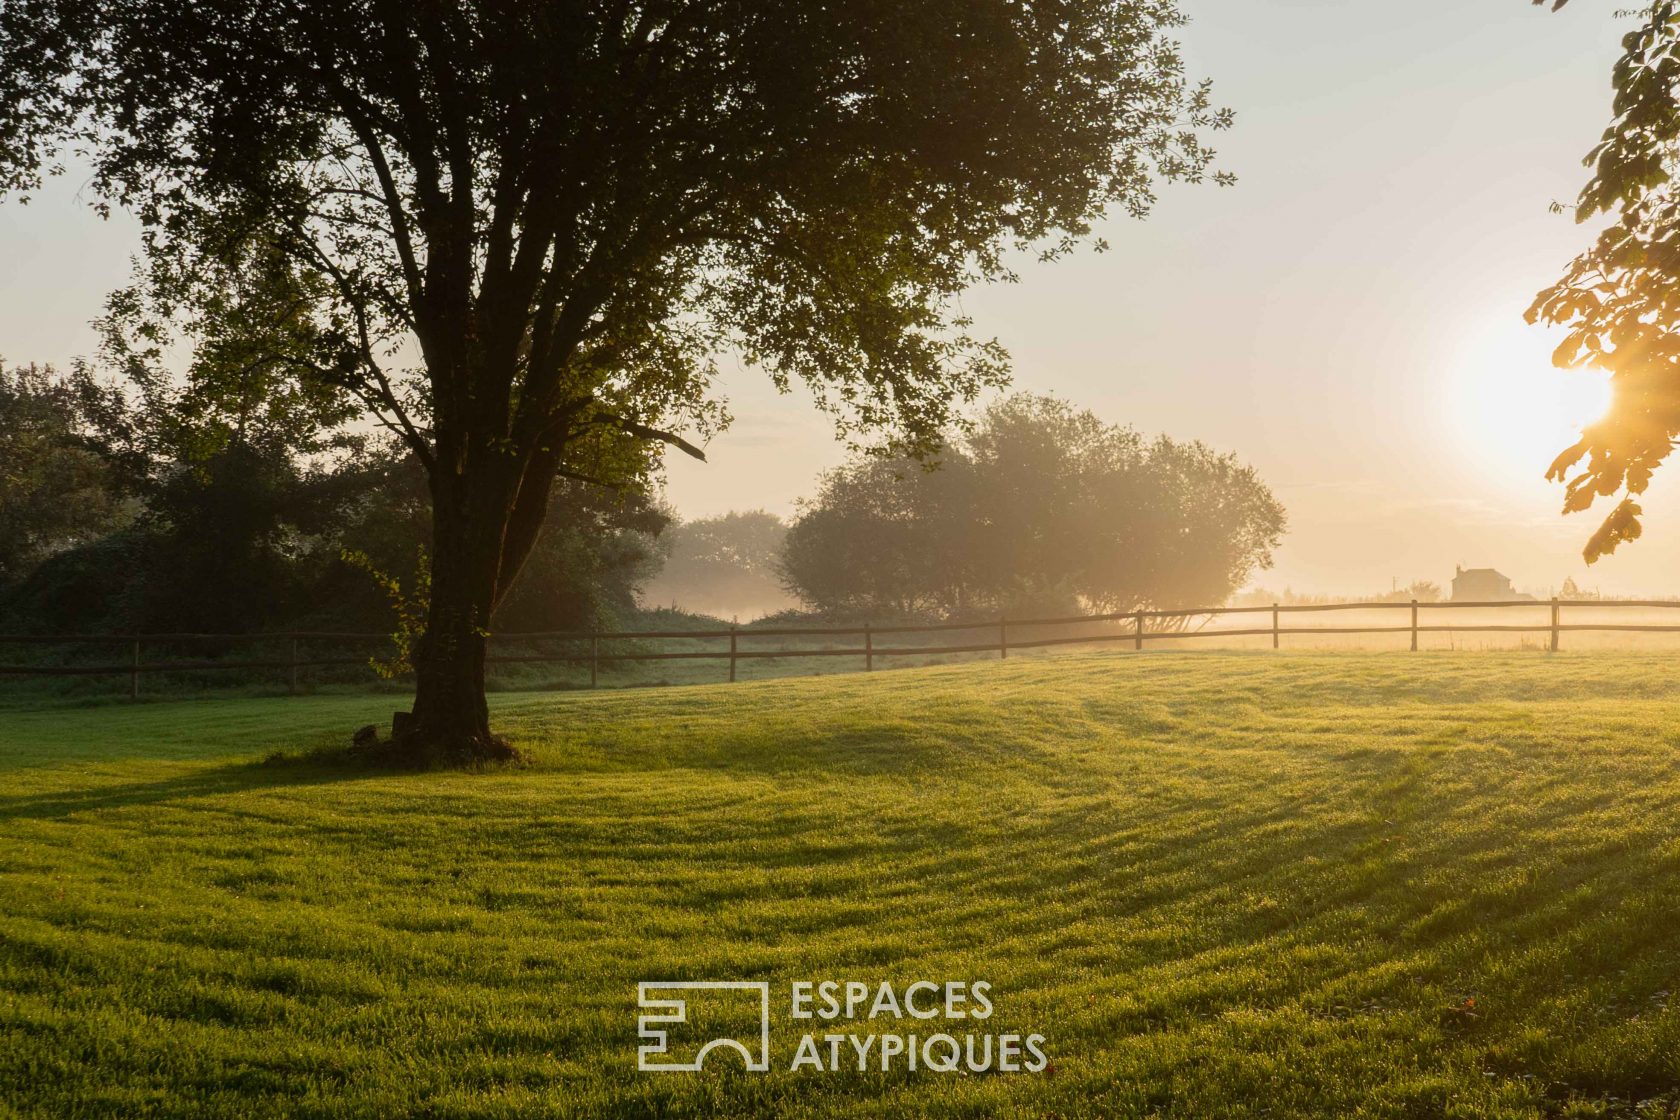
x=1040, y=508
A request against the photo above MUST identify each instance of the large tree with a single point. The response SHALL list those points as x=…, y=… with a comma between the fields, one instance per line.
x=1039, y=509
x=516, y=232
x=1619, y=302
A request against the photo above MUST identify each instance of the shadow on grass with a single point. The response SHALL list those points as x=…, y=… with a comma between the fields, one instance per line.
x=273, y=772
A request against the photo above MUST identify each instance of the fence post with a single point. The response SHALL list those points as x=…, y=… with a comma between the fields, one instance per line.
x=1003, y=639
x=594, y=659
x=134, y=673
x=1414, y=625
x=293, y=667
x=868, y=649
x=1555, y=610
x=1274, y=626
x=1137, y=631
x=732, y=655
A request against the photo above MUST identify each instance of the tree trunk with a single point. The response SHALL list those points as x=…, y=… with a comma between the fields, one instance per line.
x=451, y=719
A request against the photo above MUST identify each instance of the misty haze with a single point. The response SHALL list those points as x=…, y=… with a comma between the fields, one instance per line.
x=772, y=558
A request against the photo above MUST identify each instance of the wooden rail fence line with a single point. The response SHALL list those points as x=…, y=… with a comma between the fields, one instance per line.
x=1137, y=633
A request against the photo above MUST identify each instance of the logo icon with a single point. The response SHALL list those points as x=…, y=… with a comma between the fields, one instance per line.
x=666, y=1007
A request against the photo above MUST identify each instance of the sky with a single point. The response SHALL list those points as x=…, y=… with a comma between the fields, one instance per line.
x=1347, y=318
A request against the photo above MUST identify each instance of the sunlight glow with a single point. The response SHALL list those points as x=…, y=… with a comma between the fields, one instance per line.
x=1515, y=410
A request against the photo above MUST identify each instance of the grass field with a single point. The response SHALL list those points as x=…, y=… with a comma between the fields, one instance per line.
x=1222, y=885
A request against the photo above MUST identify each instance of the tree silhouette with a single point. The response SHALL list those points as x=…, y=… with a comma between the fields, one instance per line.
x=1039, y=509
x=515, y=233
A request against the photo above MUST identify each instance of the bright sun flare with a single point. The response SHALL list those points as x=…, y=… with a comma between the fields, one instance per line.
x=1519, y=411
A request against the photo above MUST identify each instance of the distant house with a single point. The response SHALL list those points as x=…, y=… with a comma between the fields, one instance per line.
x=1485, y=585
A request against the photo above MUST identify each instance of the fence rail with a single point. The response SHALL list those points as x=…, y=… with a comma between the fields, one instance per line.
x=1138, y=631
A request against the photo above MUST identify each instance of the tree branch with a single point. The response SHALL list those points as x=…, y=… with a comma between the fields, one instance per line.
x=357, y=114
x=642, y=431
x=387, y=394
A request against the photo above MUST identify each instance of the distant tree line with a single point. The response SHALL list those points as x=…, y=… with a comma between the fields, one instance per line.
x=1038, y=508
x=123, y=510
x=725, y=566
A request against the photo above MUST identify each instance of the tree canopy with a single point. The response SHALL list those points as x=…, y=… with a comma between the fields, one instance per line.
x=55, y=487
x=1619, y=301
x=117, y=515
x=516, y=233
x=1041, y=508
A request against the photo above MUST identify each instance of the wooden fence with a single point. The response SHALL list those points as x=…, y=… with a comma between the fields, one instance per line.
x=1134, y=628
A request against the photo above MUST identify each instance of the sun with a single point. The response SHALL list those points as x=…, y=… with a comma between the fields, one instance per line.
x=1517, y=411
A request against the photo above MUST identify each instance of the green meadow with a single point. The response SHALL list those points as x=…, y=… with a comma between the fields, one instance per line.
x=1220, y=885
